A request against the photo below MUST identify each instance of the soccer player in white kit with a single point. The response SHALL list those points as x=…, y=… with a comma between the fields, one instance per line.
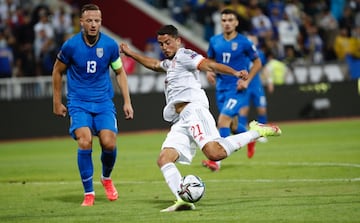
x=187, y=108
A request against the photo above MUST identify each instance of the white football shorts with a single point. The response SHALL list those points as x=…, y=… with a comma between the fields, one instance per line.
x=196, y=127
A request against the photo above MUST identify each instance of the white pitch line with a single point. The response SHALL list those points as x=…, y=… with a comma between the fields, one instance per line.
x=285, y=180
x=305, y=164
x=355, y=165
x=212, y=181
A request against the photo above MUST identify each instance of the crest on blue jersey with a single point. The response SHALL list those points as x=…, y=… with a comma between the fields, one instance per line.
x=234, y=45
x=99, y=52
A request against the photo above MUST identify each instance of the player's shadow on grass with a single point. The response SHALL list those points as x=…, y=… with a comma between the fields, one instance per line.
x=162, y=204
x=76, y=199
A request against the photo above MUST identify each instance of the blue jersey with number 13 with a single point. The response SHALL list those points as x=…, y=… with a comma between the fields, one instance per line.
x=88, y=77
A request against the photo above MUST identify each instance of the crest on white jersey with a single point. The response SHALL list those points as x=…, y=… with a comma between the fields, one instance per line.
x=99, y=52
x=234, y=46
x=191, y=52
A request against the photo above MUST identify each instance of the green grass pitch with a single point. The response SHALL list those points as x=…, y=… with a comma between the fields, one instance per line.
x=309, y=174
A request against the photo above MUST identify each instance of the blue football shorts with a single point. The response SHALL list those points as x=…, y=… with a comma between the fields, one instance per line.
x=230, y=102
x=96, y=116
x=256, y=97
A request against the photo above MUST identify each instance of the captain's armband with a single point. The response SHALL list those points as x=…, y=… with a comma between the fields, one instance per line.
x=117, y=64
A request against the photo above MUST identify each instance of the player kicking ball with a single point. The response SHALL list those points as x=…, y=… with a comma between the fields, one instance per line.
x=187, y=108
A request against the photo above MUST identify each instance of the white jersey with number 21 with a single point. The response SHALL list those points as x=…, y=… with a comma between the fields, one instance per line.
x=182, y=82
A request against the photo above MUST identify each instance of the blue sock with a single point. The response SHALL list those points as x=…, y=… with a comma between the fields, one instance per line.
x=86, y=169
x=242, y=123
x=108, y=159
x=262, y=119
x=224, y=131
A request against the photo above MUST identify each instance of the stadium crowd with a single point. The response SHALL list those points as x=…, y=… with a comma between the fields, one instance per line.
x=295, y=31
x=31, y=33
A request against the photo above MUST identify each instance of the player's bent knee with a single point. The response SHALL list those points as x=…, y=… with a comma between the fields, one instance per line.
x=84, y=142
x=167, y=155
x=107, y=140
x=110, y=145
x=214, y=151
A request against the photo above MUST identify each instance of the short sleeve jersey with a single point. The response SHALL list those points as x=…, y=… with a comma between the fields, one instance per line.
x=88, y=76
x=182, y=82
x=256, y=81
x=235, y=53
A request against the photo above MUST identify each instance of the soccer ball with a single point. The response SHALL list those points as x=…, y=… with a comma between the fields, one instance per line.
x=192, y=188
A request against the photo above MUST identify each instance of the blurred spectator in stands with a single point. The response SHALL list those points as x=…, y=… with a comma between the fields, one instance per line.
x=306, y=22
x=341, y=43
x=291, y=58
x=355, y=6
x=24, y=54
x=261, y=26
x=348, y=19
x=288, y=35
x=44, y=44
x=354, y=45
x=337, y=8
x=327, y=21
x=353, y=56
x=7, y=25
x=271, y=45
x=293, y=9
x=238, y=7
x=205, y=17
x=216, y=18
x=313, y=8
x=15, y=18
x=41, y=7
x=275, y=72
x=243, y=14
x=328, y=29
x=152, y=48
x=62, y=24
x=275, y=17
x=75, y=20
x=7, y=10
x=278, y=5
x=252, y=7
x=313, y=46
x=6, y=56
x=180, y=10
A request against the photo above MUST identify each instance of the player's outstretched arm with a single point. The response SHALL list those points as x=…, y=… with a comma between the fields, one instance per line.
x=148, y=62
x=210, y=65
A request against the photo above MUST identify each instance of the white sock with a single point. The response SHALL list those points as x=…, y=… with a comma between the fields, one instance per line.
x=105, y=178
x=235, y=142
x=172, y=177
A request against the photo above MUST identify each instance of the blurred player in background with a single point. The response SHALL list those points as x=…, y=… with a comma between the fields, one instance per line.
x=237, y=51
x=187, y=108
x=255, y=95
x=86, y=58
x=275, y=73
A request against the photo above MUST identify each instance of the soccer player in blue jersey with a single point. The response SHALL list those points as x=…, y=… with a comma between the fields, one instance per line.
x=237, y=51
x=86, y=58
x=255, y=95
